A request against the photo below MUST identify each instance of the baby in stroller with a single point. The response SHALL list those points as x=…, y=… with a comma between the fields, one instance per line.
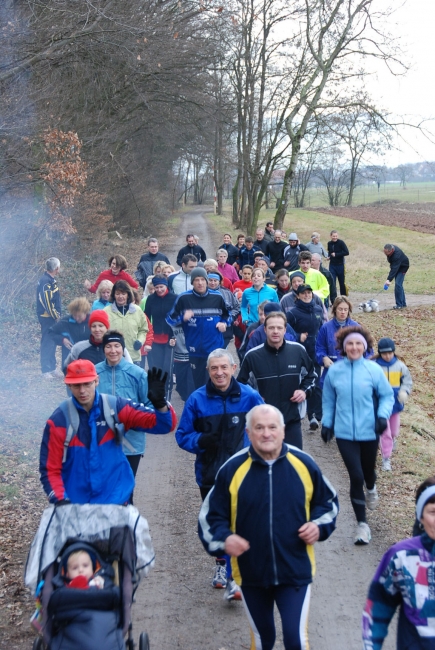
x=84, y=565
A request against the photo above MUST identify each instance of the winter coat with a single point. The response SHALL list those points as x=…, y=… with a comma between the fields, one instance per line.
x=341, y=251
x=277, y=373
x=129, y=381
x=262, y=245
x=349, y=392
x=195, y=250
x=209, y=410
x=228, y=272
x=109, y=275
x=398, y=377
x=133, y=326
x=200, y=331
x=326, y=343
x=266, y=505
x=399, y=263
x=146, y=265
x=48, y=302
x=233, y=252
x=251, y=298
x=68, y=328
x=291, y=254
x=290, y=300
x=405, y=577
x=96, y=469
x=306, y=317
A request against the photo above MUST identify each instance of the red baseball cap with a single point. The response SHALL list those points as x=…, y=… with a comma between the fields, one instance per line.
x=81, y=371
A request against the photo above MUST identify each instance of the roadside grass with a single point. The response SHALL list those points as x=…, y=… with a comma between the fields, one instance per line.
x=366, y=266
x=369, y=194
x=413, y=331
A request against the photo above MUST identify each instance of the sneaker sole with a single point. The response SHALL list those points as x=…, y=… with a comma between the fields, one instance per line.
x=236, y=596
x=361, y=542
x=314, y=427
x=219, y=586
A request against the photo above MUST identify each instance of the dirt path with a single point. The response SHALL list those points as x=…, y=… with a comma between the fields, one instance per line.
x=177, y=605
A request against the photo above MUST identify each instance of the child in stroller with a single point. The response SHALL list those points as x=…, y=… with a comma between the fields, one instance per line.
x=84, y=565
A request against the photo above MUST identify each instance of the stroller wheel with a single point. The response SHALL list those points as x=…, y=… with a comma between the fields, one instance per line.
x=38, y=644
x=144, y=641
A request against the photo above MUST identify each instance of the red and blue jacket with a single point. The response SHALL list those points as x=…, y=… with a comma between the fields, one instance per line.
x=95, y=469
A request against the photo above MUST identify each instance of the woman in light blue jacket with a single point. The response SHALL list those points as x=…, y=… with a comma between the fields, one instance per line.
x=251, y=298
x=357, y=402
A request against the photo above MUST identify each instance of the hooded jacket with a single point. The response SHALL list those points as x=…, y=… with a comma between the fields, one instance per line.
x=398, y=377
x=267, y=504
x=210, y=410
x=348, y=399
x=306, y=317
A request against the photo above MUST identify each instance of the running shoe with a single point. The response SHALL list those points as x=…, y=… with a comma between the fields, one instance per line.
x=397, y=307
x=220, y=577
x=372, y=499
x=386, y=465
x=314, y=423
x=232, y=591
x=363, y=535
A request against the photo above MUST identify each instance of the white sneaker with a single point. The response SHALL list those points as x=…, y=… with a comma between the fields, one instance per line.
x=363, y=535
x=232, y=591
x=220, y=577
x=372, y=499
x=386, y=465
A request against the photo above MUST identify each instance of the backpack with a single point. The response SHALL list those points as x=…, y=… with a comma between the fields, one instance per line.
x=110, y=416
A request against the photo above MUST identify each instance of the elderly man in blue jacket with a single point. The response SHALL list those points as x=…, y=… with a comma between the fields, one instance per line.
x=212, y=426
x=269, y=505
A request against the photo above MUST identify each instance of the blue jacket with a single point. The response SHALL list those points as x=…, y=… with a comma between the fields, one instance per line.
x=202, y=335
x=95, y=469
x=398, y=377
x=251, y=298
x=267, y=504
x=208, y=410
x=348, y=393
x=129, y=381
x=326, y=342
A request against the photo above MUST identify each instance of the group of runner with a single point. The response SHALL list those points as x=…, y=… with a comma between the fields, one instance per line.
x=272, y=296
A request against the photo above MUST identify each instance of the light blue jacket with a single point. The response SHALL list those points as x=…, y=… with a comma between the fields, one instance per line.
x=348, y=393
x=130, y=381
x=251, y=298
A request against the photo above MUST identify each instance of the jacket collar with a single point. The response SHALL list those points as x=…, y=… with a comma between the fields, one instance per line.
x=258, y=458
x=200, y=295
x=270, y=348
x=233, y=391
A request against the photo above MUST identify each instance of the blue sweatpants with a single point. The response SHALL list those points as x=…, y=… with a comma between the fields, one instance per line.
x=293, y=605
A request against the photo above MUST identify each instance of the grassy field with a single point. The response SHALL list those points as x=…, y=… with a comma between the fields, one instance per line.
x=366, y=194
x=366, y=266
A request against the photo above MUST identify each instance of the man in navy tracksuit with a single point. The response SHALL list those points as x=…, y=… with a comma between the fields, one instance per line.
x=269, y=505
x=212, y=426
x=204, y=317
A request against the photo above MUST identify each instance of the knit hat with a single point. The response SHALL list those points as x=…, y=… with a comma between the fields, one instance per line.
x=198, y=273
x=159, y=279
x=113, y=337
x=293, y=237
x=80, y=371
x=99, y=316
x=303, y=287
x=386, y=345
x=270, y=307
x=297, y=274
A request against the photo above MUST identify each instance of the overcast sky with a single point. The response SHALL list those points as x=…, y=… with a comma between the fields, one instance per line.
x=414, y=94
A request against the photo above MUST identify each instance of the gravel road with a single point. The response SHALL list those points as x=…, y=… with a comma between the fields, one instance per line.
x=176, y=603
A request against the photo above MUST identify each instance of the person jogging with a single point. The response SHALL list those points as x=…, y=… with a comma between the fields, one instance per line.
x=270, y=538
x=405, y=579
x=357, y=402
x=400, y=380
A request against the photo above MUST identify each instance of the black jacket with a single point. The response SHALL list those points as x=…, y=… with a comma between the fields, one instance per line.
x=276, y=374
x=48, y=302
x=275, y=252
x=68, y=328
x=262, y=245
x=233, y=252
x=291, y=254
x=191, y=250
x=157, y=308
x=332, y=287
x=340, y=249
x=307, y=317
x=145, y=266
x=398, y=261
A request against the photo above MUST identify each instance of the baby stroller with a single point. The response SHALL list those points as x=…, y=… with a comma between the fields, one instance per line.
x=118, y=540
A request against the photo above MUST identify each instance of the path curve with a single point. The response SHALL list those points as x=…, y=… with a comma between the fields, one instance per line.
x=176, y=603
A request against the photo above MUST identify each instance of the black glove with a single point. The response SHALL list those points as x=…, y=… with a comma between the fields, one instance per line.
x=380, y=425
x=327, y=434
x=156, y=387
x=209, y=441
x=137, y=345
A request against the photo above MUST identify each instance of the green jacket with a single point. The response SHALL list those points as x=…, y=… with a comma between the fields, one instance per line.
x=133, y=326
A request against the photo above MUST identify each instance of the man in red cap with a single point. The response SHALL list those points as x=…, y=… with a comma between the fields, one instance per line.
x=81, y=457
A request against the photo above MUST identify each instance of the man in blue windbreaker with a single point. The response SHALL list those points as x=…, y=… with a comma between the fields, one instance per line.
x=212, y=426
